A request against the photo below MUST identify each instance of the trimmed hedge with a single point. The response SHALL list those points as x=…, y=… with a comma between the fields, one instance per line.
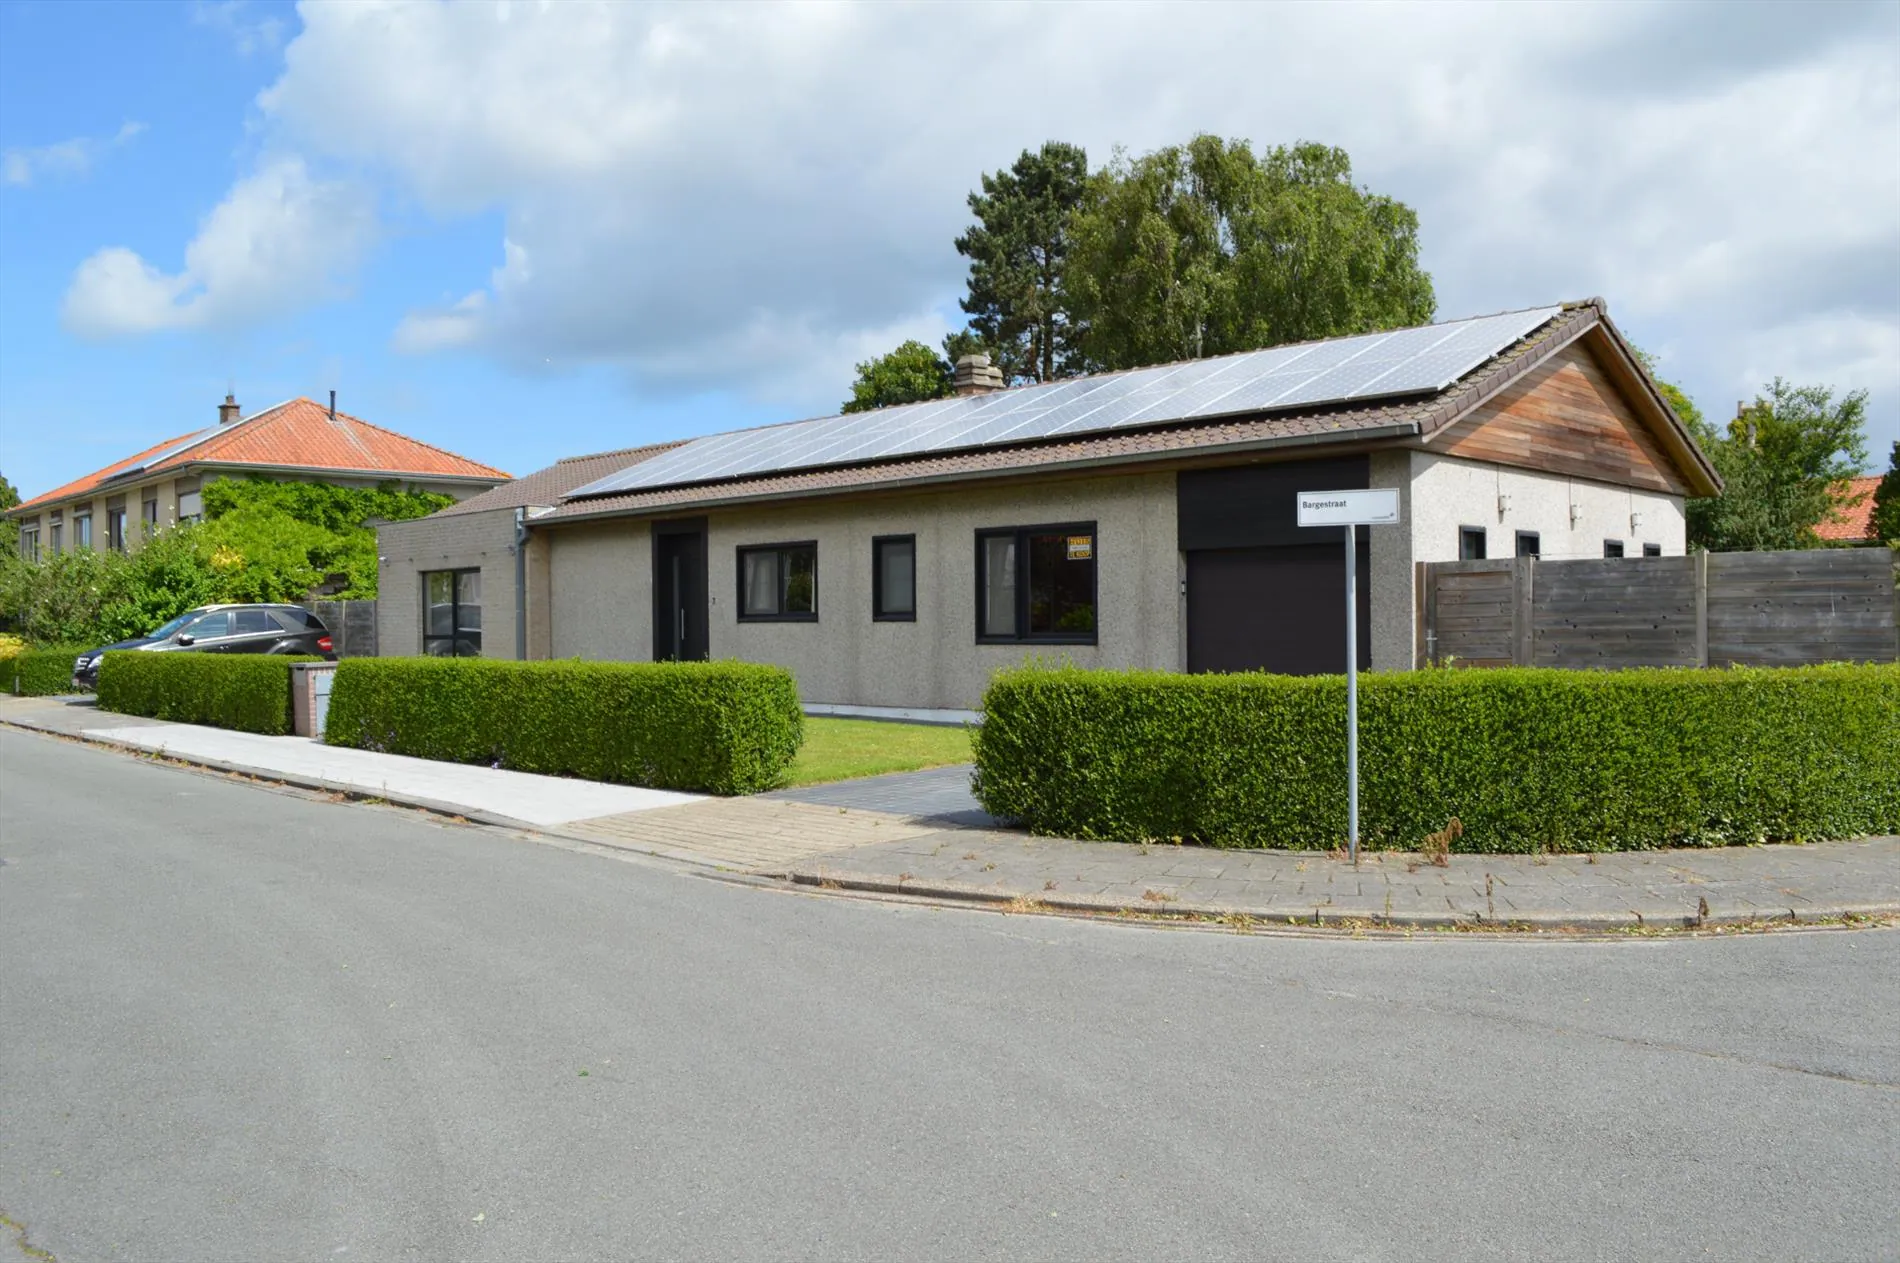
x=43, y=672
x=248, y=692
x=717, y=727
x=1528, y=760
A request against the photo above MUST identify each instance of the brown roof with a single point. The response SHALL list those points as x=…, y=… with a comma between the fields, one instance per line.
x=547, y=486
x=298, y=434
x=1851, y=522
x=1325, y=425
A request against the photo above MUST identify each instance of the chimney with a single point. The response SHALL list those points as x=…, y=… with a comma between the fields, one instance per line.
x=975, y=375
x=228, y=410
x=333, y=406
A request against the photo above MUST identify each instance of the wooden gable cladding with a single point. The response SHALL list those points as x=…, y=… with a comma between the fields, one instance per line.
x=1565, y=417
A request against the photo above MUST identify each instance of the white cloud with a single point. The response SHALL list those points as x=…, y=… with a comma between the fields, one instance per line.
x=278, y=241
x=249, y=35
x=22, y=167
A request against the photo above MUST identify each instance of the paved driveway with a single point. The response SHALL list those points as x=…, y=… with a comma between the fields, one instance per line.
x=940, y=795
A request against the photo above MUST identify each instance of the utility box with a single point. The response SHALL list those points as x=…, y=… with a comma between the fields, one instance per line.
x=310, y=696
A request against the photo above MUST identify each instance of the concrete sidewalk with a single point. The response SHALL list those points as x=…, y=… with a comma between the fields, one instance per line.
x=487, y=794
x=839, y=838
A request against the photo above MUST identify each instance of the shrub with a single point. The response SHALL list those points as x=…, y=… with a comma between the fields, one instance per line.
x=43, y=672
x=719, y=727
x=248, y=692
x=1526, y=760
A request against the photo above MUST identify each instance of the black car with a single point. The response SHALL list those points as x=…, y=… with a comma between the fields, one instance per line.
x=223, y=629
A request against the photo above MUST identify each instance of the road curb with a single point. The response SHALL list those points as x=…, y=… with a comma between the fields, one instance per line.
x=1326, y=916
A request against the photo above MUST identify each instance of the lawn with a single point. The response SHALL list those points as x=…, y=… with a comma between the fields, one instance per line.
x=844, y=749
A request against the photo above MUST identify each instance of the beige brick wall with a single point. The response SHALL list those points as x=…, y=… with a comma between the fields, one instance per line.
x=406, y=550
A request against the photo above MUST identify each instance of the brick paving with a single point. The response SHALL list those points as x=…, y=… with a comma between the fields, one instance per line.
x=755, y=835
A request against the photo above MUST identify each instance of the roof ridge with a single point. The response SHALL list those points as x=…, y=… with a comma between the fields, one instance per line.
x=440, y=451
x=621, y=451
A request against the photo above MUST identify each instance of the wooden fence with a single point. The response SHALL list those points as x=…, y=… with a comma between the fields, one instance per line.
x=352, y=625
x=1704, y=610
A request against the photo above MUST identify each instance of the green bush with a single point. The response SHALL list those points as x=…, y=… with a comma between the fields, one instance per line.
x=1526, y=760
x=46, y=671
x=248, y=692
x=718, y=727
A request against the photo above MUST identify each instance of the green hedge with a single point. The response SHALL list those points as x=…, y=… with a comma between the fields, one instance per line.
x=718, y=727
x=1527, y=760
x=42, y=672
x=248, y=692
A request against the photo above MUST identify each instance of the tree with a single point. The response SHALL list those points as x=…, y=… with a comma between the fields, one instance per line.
x=1017, y=249
x=1205, y=249
x=9, y=529
x=1780, y=461
x=1886, y=517
x=910, y=374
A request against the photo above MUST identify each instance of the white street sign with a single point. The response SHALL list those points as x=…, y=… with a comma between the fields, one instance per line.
x=1378, y=507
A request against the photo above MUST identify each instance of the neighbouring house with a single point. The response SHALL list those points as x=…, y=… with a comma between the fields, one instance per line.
x=299, y=440
x=1853, y=519
x=1139, y=519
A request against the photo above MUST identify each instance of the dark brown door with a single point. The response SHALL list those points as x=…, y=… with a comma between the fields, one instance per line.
x=1279, y=608
x=680, y=630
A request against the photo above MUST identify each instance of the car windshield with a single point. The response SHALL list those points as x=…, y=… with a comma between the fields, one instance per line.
x=161, y=632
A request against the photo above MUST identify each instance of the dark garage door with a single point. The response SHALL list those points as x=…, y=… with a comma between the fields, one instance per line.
x=1279, y=608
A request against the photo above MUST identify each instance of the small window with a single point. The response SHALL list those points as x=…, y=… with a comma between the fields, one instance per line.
x=779, y=583
x=115, y=530
x=82, y=530
x=1528, y=544
x=1471, y=543
x=1612, y=548
x=894, y=578
x=30, y=543
x=1652, y=550
x=191, y=506
x=452, y=613
x=292, y=620
x=1036, y=583
x=148, y=513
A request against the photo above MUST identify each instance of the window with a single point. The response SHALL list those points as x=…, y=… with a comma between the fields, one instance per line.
x=148, y=514
x=191, y=506
x=1652, y=550
x=251, y=623
x=1471, y=543
x=30, y=542
x=57, y=535
x=1036, y=583
x=452, y=613
x=1528, y=545
x=1612, y=548
x=894, y=578
x=82, y=530
x=779, y=583
x=211, y=626
x=115, y=530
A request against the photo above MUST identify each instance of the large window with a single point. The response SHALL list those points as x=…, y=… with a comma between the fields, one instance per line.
x=452, y=613
x=115, y=530
x=56, y=536
x=191, y=506
x=30, y=542
x=778, y=583
x=1036, y=583
x=148, y=514
x=894, y=578
x=82, y=531
x=1471, y=543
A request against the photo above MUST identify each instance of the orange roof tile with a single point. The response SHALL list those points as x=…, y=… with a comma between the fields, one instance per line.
x=295, y=435
x=1852, y=521
x=79, y=486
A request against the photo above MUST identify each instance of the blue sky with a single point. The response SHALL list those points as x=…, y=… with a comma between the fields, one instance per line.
x=524, y=231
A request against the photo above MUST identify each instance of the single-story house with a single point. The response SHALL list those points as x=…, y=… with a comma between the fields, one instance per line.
x=897, y=558
x=298, y=440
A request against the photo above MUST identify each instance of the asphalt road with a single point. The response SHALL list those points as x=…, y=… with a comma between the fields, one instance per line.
x=237, y=1024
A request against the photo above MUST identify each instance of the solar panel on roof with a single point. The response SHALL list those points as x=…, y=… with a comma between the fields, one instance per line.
x=1339, y=370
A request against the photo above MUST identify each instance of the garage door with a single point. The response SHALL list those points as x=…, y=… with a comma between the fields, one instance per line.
x=1279, y=608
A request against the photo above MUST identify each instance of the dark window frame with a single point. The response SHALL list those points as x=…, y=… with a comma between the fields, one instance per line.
x=878, y=613
x=1610, y=544
x=1484, y=545
x=456, y=630
x=783, y=552
x=1536, y=549
x=115, y=530
x=1652, y=550
x=1021, y=534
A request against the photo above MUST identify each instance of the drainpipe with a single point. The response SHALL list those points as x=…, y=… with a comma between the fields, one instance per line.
x=521, y=584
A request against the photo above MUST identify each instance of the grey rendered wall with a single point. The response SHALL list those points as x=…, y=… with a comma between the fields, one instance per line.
x=405, y=550
x=599, y=596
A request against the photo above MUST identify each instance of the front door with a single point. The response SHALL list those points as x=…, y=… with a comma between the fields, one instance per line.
x=680, y=631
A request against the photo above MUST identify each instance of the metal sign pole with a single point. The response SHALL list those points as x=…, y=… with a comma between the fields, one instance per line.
x=1352, y=693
